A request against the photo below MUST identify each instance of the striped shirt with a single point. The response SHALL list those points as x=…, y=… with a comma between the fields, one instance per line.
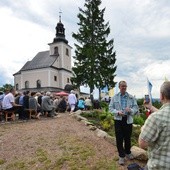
x=156, y=131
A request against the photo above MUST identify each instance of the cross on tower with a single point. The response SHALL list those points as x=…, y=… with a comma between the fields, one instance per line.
x=60, y=15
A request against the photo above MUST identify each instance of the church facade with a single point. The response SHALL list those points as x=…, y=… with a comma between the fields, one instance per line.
x=48, y=70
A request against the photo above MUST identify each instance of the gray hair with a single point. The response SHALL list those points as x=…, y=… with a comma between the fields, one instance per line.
x=72, y=91
x=48, y=93
x=165, y=89
x=122, y=82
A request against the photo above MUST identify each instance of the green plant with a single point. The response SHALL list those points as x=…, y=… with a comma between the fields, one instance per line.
x=135, y=135
x=139, y=120
x=104, y=105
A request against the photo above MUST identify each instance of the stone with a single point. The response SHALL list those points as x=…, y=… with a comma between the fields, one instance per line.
x=111, y=139
x=87, y=123
x=79, y=118
x=91, y=127
x=78, y=112
x=139, y=153
x=101, y=133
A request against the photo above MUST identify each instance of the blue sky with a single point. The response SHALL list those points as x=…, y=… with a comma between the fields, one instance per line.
x=141, y=32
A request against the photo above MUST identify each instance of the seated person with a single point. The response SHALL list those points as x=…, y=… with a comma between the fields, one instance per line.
x=96, y=104
x=1, y=99
x=56, y=102
x=47, y=105
x=62, y=105
x=88, y=103
x=81, y=104
x=8, y=103
x=33, y=104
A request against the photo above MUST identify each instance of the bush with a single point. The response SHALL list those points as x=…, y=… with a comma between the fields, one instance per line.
x=139, y=120
x=104, y=105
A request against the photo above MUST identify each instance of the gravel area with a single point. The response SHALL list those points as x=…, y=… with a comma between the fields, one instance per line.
x=55, y=143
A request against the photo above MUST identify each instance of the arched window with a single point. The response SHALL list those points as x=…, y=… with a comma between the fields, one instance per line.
x=16, y=86
x=38, y=83
x=67, y=52
x=56, y=50
x=26, y=84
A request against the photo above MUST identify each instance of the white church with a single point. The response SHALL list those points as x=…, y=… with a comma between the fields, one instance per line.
x=48, y=70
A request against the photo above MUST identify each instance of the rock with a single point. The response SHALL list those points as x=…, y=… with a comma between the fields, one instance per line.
x=78, y=112
x=79, y=118
x=91, y=127
x=88, y=123
x=139, y=154
x=101, y=133
x=111, y=139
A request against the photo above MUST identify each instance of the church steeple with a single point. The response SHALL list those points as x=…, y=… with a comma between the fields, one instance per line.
x=60, y=32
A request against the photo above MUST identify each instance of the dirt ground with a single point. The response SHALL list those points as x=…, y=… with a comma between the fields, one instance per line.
x=61, y=143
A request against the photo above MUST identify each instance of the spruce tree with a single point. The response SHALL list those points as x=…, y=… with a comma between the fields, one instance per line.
x=94, y=56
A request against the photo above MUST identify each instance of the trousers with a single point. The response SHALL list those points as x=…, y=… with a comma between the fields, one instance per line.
x=123, y=132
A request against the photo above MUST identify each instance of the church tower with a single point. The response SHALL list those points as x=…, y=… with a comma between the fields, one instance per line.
x=62, y=51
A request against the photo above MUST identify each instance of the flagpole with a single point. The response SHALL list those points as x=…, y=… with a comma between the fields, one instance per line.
x=149, y=86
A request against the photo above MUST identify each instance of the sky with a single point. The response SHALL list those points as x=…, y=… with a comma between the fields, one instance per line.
x=140, y=29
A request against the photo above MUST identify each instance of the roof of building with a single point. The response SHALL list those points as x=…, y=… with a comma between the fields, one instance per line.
x=41, y=60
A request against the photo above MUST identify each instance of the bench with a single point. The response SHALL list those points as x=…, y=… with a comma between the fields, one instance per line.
x=32, y=112
x=9, y=114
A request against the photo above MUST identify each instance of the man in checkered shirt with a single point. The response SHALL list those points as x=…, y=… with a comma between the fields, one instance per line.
x=155, y=134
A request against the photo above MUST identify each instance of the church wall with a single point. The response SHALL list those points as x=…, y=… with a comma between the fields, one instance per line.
x=17, y=81
x=55, y=79
x=33, y=75
x=64, y=77
x=66, y=57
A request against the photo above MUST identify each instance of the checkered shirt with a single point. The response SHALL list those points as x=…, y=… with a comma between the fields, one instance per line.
x=156, y=131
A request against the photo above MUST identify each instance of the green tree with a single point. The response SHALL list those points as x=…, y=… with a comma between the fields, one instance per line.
x=94, y=56
x=6, y=86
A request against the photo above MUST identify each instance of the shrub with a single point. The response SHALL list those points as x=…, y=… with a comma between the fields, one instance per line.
x=139, y=120
x=104, y=105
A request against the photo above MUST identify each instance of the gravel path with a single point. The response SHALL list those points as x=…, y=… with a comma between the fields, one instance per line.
x=53, y=144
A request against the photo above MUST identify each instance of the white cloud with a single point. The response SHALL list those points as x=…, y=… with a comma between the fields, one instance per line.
x=140, y=30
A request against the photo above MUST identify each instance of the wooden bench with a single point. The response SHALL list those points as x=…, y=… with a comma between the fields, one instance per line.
x=9, y=115
x=32, y=112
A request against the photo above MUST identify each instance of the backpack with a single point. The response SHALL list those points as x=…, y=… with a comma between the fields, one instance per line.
x=134, y=166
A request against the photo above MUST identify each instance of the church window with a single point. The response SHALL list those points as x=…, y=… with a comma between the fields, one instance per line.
x=56, y=51
x=16, y=86
x=68, y=80
x=38, y=84
x=55, y=78
x=67, y=52
x=26, y=84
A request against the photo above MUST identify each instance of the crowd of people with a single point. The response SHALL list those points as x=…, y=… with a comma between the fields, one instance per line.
x=44, y=103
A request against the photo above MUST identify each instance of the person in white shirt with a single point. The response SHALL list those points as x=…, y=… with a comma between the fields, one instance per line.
x=8, y=103
x=72, y=100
